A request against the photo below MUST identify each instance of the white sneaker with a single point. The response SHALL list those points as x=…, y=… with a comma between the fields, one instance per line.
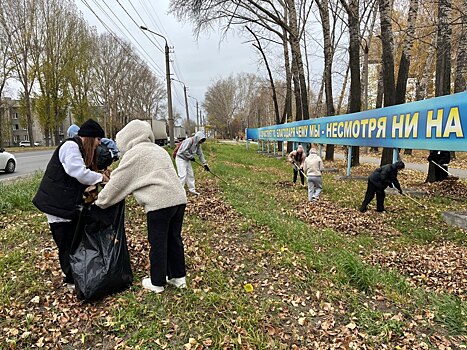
x=70, y=286
x=194, y=193
x=178, y=282
x=148, y=285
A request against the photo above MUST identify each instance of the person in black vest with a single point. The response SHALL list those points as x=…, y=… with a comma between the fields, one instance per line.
x=442, y=158
x=297, y=158
x=378, y=181
x=71, y=169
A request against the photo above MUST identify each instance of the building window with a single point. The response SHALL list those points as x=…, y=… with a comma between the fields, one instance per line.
x=15, y=116
x=15, y=126
x=26, y=138
x=15, y=138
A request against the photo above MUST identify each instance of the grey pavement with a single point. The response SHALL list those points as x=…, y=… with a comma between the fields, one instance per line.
x=461, y=173
x=27, y=163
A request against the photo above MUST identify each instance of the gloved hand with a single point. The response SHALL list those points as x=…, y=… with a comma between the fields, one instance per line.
x=400, y=191
x=192, y=159
x=206, y=168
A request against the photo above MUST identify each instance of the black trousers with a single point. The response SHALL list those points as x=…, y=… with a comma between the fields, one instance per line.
x=167, y=256
x=63, y=233
x=302, y=178
x=370, y=194
x=440, y=174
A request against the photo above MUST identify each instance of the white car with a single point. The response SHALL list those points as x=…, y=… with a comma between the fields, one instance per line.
x=27, y=144
x=7, y=161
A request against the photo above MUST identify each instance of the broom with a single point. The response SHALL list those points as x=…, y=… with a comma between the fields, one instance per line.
x=450, y=176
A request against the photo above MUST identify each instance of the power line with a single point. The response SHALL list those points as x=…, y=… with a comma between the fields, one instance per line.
x=117, y=39
x=137, y=42
x=131, y=17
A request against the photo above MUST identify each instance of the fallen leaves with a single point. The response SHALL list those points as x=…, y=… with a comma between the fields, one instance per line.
x=437, y=267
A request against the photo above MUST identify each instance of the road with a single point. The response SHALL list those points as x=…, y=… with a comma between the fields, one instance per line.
x=27, y=163
x=461, y=173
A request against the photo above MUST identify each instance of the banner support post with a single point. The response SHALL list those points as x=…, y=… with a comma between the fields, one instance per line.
x=395, y=154
x=349, y=159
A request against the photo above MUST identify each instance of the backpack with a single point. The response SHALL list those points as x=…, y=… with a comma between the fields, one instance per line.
x=174, y=153
x=177, y=146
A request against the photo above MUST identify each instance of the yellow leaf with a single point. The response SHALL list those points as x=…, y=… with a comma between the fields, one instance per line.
x=248, y=288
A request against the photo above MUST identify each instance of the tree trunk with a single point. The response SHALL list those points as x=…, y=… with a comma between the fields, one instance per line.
x=354, y=57
x=327, y=75
x=387, y=65
x=344, y=86
x=420, y=89
x=297, y=59
x=443, y=50
x=443, y=61
x=461, y=60
x=287, y=111
x=404, y=64
x=271, y=80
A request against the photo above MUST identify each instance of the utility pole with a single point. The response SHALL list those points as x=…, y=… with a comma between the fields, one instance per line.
x=186, y=108
x=197, y=116
x=169, y=86
x=187, y=114
x=169, y=96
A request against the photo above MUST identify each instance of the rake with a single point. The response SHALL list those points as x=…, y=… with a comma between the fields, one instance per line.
x=450, y=176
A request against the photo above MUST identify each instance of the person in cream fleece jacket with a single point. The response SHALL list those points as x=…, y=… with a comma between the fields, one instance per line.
x=146, y=171
x=312, y=168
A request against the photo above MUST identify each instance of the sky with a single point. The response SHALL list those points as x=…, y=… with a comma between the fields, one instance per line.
x=197, y=62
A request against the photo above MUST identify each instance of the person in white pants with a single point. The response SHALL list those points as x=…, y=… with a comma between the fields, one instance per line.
x=312, y=168
x=185, y=155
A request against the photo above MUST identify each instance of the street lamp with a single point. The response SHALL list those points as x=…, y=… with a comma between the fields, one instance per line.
x=186, y=107
x=169, y=88
x=197, y=115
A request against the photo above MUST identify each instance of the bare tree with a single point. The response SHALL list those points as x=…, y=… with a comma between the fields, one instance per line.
x=19, y=21
x=6, y=68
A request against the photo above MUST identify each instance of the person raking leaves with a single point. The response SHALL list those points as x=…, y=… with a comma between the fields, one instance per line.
x=297, y=158
x=378, y=181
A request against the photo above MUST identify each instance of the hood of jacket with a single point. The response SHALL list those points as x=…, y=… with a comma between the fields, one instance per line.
x=199, y=136
x=398, y=165
x=134, y=133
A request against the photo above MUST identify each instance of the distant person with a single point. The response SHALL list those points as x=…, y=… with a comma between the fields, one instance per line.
x=72, y=131
x=147, y=172
x=442, y=159
x=297, y=158
x=185, y=155
x=378, y=181
x=112, y=146
x=106, y=151
x=71, y=169
x=312, y=167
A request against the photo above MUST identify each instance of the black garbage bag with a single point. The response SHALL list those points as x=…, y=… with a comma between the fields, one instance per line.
x=99, y=257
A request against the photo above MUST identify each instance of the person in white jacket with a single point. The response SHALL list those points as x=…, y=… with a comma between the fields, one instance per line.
x=186, y=155
x=146, y=171
x=312, y=168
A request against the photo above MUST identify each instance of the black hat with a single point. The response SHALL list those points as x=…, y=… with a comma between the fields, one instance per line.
x=91, y=128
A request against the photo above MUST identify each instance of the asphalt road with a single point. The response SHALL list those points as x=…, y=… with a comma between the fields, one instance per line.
x=27, y=163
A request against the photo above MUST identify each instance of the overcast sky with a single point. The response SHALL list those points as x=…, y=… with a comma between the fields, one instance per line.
x=197, y=62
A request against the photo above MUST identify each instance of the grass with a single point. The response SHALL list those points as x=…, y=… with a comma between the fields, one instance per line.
x=298, y=272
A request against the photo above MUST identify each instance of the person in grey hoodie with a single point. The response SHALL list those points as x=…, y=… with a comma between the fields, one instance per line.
x=312, y=168
x=186, y=155
x=146, y=171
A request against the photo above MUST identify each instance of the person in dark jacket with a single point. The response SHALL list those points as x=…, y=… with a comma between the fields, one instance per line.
x=71, y=169
x=442, y=158
x=378, y=181
x=297, y=158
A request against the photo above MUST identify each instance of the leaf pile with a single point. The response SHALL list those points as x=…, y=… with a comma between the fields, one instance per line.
x=449, y=188
x=438, y=267
x=325, y=214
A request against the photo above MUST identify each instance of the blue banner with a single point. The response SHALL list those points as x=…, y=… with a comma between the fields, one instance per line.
x=435, y=124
